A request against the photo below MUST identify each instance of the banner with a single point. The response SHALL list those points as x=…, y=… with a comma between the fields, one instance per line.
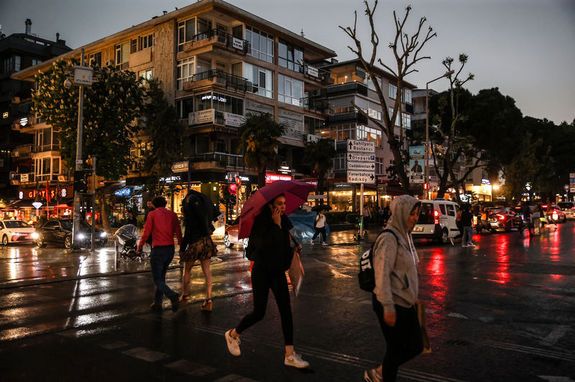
x=416, y=163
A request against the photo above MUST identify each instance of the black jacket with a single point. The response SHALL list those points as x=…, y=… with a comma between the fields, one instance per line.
x=199, y=213
x=270, y=245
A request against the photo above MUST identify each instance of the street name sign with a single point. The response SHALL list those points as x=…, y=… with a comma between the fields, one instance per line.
x=354, y=157
x=360, y=176
x=363, y=166
x=354, y=146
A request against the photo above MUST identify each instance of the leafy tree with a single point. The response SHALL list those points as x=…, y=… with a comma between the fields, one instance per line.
x=163, y=130
x=406, y=49
x=111, y=106
x=259, y=142
x=320, y=156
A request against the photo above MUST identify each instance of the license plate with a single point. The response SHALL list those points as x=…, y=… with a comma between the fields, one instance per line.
x=418, y=229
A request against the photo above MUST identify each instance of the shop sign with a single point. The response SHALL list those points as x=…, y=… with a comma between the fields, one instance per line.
x=201, y=117
x=238, y=43
x=273, y=177
x=45, y=193
x=24, y=178
x=180, y=166
x=311, y=71
x=572, y=182
x=234, y=120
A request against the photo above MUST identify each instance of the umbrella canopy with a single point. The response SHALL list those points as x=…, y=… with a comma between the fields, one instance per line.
x=295, y=192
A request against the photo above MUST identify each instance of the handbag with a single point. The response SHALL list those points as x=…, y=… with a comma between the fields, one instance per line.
x=421, y=318
x=296, y=272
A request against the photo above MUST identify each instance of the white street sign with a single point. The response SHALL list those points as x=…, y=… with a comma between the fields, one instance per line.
x=360, y=176
x=353, y=157
x=83, y=75
x=354, y=146
x=361, y=166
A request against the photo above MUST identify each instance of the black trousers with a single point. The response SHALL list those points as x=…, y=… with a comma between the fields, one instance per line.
x=402, y=341
x=262, y=282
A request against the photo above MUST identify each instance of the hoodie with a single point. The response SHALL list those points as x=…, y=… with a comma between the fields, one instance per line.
x=395, y=260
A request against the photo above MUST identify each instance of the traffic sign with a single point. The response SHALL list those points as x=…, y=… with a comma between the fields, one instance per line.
x=353, y=157
x=354, y=146
x=364, y=166
x=360, y=176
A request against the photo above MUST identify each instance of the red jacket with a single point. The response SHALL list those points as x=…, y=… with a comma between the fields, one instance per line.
x=162, y=224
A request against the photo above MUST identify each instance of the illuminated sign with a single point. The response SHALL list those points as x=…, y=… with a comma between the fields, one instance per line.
x=5, y=115
x=272, y=177
x=23, y=121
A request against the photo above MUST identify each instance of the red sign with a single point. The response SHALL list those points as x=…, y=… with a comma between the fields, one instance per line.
x=48, y=193
x=273, y=177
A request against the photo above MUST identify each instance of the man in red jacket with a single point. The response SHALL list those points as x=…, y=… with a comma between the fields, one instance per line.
x=162, y=224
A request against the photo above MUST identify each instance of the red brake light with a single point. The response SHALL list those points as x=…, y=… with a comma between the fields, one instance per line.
x=500, y=217
x=436, y=217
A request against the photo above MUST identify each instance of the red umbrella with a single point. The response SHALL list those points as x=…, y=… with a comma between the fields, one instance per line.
x=294, y=191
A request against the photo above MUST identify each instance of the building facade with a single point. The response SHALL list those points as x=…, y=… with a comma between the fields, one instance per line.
x=216, y=64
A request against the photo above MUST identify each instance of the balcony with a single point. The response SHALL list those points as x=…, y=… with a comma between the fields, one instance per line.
x=44, y=148
x=314, y=104
x=22, y=152
x=347, y=88
x=219, y=39
x=215, y=117
x=26, y=124
x=219, y=78
x=350, y=116
x=217, y=160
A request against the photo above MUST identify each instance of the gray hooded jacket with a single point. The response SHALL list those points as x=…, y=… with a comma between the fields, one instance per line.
x=395, y=261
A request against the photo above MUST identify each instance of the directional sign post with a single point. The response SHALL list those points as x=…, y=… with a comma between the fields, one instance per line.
x=360, y=169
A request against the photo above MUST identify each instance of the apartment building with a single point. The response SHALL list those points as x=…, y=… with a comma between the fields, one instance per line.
x=351, y=86
x=19, y=51
x=216, y=63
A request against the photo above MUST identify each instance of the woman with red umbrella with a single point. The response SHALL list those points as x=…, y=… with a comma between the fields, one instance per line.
x=269, y=247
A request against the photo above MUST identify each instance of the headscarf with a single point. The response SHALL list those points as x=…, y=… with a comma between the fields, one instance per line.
x=401, y=208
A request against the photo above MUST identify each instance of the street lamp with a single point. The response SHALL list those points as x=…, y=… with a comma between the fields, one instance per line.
x=426, y=169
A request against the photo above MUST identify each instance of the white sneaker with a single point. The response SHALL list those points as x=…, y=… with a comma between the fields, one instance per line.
x=296, y=361
x=324, y=244
x=233, y=344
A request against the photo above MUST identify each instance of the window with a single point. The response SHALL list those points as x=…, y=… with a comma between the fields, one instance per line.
x=55, y=165
x=186, y=30
x=95, y=59
x=141, y=42
x=185, y=72
x=146, y=74
x=11, y=64
x=406, y=98
x=290, y=90
x=261, y=43
x=450, y=210
x=376, y=114
x=36, y=61
x=406, y=120
x=184, y=107
x=290, y=57
x=261, y=79
x=397, y=117
x=122, y=54
x=392, y=91
x=442, y=208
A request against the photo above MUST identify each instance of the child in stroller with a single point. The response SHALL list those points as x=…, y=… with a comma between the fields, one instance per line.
x=126, y=241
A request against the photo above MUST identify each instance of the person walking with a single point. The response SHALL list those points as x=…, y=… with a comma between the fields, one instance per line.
x=197, y=244
x=319, y=227
x=269, y=245
x=467, y=226
x=162, y=224
x=396, y=290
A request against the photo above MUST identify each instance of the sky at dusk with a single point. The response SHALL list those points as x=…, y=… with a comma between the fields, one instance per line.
x=526, y=48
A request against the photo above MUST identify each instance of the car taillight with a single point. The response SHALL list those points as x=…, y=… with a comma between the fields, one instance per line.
x=435, y=217
x=500, y=217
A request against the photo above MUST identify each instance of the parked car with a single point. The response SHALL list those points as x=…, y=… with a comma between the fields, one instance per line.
x=59, y=232
x=505, y=219
x=568, y=209
x=437, y=220
x=231, y=236
x=15, y=231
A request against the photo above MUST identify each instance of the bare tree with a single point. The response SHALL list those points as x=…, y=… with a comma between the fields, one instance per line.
x=452, y=147
x=406, y=49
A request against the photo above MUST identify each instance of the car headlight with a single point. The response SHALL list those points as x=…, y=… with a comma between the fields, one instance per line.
x=35, y=235
x=103, y=235
x=80, y=236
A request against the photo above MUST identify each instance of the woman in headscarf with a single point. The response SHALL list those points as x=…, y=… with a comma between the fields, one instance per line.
x=272, y=254
x=395, y=293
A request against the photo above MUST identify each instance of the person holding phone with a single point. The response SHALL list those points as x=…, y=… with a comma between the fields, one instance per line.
x=272, y=254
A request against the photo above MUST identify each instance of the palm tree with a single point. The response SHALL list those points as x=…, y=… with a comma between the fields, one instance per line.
x=259, y=142
x=319, y=155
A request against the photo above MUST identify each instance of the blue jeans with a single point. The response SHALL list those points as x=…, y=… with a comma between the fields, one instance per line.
x=160, y=260
x=467, y=234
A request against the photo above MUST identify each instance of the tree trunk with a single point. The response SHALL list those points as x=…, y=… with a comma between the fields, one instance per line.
x=399, y=168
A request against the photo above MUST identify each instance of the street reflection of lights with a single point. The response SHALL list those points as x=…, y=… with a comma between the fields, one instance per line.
x=555, y=277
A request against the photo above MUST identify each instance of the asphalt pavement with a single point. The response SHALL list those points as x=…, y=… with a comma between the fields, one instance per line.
x=502, y=311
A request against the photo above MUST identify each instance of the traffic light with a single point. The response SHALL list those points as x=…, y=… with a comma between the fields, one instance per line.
x=80, y=183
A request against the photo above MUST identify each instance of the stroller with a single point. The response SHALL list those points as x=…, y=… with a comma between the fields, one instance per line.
x=126, y=240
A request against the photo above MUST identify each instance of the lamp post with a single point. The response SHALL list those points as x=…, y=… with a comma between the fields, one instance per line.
x=426, y=168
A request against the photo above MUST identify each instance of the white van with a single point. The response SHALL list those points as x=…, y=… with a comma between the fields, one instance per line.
x=437, y=221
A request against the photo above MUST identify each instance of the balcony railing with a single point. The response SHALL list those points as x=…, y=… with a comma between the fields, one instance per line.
x=221, y=38
x=314, y=104
x=221, y=159
x=348, y=116
x=22, y=152
x=43, y=148
x=347, y=88
x=221, y=78
x=216, y=117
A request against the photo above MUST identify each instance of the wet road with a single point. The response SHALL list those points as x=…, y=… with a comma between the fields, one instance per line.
x=504, y=310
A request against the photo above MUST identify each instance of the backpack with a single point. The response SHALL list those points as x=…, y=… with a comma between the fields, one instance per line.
x=366, y=275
